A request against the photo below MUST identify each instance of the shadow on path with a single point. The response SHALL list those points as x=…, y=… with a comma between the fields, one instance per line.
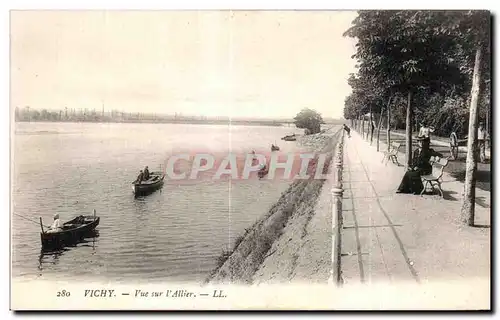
x=447, y=195
x=483, y=178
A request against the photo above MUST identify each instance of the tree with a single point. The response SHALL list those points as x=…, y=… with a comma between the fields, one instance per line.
x=379, y=126
x=478, y=27
x=310, y=120
x=436, y=60
x=402, y=51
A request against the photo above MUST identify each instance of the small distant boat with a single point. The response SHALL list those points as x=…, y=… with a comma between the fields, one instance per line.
x=275, y=148
x=262, y=172
x=72, y=231
x=155, y=182
x=291, y=137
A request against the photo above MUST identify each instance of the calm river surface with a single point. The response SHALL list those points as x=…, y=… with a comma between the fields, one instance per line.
x=172, y=235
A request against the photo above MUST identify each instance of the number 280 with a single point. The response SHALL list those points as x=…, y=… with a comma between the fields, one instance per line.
x=63, y=293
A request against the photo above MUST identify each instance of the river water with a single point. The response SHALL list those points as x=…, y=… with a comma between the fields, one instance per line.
x=172, y=235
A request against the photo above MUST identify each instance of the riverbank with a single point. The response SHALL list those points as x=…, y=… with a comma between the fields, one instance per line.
x=274, y=248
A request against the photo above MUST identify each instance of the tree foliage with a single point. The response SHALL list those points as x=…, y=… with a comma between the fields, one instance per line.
x=427, y=53
x=310, y=120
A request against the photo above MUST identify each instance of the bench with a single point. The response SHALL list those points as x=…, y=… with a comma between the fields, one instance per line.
x=392, y=153
x=433, y=179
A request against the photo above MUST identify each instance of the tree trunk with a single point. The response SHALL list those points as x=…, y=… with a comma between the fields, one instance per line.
x=487, y=142
x=468, y=204
x=363, y=127
x=388, y=129
x=487, y=124
x=409, y=125
x=371, y=126
x=380, y=123
x=378, y=128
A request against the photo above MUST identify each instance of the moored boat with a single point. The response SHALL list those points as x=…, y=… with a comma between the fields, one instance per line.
x=71, y=231
x=155, y=182
x=275, y=148
x=291, y=137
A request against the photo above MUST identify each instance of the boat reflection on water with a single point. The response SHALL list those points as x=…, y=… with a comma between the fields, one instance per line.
x=51, y=255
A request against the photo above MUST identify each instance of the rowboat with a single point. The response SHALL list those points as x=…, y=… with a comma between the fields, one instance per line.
x=155, y=182
x=291, y=137
x=275, y=148
x=72, y=231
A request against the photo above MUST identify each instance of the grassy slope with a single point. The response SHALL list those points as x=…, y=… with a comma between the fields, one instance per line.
x=240, y=265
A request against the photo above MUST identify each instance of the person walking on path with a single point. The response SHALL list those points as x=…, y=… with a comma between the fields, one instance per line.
x=348, y=130
x=482, y=136
x=425, y=134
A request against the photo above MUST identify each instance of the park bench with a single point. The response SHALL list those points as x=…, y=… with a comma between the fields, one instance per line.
x=392, y=153
x=433, y=179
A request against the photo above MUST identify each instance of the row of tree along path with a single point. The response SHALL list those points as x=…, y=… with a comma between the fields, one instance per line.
x=431, y=66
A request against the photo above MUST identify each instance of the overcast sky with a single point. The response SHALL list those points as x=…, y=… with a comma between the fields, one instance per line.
x=239, y=63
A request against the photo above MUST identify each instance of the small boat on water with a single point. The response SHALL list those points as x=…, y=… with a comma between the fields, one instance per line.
x=292, y=137
x=71, y=232
x=155, y=182
x=275, y=148
x=263, y=171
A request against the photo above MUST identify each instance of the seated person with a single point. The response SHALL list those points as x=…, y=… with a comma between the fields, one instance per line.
x=412, y=182
x=56, y=225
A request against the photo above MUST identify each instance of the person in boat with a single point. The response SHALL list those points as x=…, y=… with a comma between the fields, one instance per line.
x=146, y=173
x=56, y=225
x=140, y=177
x=411, y=182
x=254, y=158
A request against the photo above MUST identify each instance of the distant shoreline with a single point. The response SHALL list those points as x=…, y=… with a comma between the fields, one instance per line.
x=201, y=122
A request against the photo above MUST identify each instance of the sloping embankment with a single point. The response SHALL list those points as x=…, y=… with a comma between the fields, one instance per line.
x=289, y=217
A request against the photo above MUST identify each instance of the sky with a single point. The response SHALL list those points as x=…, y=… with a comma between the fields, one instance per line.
x=268, y=64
